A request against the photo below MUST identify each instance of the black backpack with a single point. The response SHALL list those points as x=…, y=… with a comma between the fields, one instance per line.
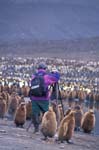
x=38, y=87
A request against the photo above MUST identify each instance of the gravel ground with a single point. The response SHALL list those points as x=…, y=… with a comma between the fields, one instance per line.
x=12, y=138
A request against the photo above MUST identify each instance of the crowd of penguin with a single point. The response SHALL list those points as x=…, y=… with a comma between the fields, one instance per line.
x=55, y=121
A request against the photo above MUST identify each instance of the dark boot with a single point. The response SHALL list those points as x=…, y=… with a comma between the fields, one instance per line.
x=36, y=129
x=35, y=119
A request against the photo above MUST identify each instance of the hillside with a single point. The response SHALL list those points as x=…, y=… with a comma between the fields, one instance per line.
x=86, y=49
x=50, y=28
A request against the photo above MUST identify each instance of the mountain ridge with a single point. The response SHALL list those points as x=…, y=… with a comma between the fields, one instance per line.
x=87, y=48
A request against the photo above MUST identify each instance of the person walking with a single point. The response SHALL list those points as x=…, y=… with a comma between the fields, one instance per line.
x=39, y=99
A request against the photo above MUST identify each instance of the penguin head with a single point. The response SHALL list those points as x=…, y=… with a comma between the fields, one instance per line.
x=91, y=111
x=72, y=113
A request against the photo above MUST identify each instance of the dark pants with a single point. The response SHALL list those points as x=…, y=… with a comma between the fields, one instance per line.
x=37, y=107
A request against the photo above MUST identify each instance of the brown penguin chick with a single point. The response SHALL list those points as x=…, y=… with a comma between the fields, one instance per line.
x=70, y=99
x=57, y=111
x=28, y=110
x=1, y=88
x=88, y=121
x=78, y=117
x=49, y=124
x=21, y=98
x=4, y=94
x=2, y=107
x=97, y=101
x=7, y=101
x=6, y=88
x=66, y=128
x=20, y=115
x=61, y=112
x=81, y=96
x=14, y=102
x=25, y=90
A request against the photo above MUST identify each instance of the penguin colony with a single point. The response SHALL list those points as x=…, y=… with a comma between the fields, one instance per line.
x=53, y=121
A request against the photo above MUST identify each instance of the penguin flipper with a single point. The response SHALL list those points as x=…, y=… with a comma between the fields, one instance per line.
x=65, y=129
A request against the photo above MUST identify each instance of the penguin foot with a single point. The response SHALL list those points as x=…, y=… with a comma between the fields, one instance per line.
x=59, y=141
x=44, y=138
x=69, y=142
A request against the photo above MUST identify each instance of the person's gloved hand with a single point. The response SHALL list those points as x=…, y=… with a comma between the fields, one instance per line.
x=54, y=70
x=55, y=73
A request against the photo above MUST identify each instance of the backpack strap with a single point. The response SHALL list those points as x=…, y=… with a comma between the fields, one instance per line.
x=40, y=73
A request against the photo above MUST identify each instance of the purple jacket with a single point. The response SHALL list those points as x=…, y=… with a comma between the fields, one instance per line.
x=50, y=79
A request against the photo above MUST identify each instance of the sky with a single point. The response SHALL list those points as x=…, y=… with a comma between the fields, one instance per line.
x=48, y=20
